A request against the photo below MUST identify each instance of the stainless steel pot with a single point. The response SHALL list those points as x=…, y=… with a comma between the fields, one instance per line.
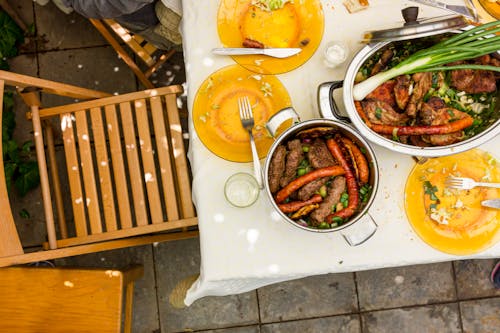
x=361, y=226
x=329, y=110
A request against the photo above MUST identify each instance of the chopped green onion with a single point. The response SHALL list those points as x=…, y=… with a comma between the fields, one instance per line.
x=469, y=44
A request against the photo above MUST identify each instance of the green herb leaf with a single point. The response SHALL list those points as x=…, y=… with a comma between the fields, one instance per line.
x=430, y=190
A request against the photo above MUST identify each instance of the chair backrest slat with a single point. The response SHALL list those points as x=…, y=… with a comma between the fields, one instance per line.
x=134, y=41
x=180, y=157
x=134, y=168
x=120, y=179
x=102, y=161
x=91, y=200
x=148, y=161
x=73, y=167
x=162, y=148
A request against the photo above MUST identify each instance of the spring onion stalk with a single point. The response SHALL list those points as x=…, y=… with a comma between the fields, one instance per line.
x=469, y=44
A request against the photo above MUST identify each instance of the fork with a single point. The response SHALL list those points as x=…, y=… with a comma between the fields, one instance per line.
x=247, y=121
x=463, y=183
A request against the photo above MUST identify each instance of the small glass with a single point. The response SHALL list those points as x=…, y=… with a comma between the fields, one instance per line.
x=335, y=53
x=241, y=190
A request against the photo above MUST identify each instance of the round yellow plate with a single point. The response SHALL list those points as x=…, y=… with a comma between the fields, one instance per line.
x=488, y=11
x=298, y=24
x=468, y=227
x=216, y=116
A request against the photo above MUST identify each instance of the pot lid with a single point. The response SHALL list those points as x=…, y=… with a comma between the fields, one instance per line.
x=415, y=29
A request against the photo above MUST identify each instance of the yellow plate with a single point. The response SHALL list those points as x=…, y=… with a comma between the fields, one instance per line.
x=216, y=117
x=488, y=11
x=470, y=227
x=297, y=24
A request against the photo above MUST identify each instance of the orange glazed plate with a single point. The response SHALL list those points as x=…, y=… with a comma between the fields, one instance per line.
x=450, y=220
x=216, y=117
x=298, y=24
x=491, y=7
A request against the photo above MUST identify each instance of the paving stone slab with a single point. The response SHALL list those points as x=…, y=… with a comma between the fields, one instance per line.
x=145, y=306
x=62, y=31
x=473, y=278
x=403, y=286
x=177, y=260
x=481, y=315
x=94, y=68
x=430, y=319
x=316, y=296
x=344, y=324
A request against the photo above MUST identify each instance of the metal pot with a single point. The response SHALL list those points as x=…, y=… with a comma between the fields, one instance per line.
x=361, y=226
x=329, y=110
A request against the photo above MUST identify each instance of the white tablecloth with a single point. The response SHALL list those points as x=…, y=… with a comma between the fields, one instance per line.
x=246, y=248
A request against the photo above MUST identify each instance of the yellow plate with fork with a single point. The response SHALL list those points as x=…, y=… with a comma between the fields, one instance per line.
x=216, y=117
x=451, y=220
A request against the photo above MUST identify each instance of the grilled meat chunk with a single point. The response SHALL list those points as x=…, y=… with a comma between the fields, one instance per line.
x=277, y=168
x=423, y=82
x=382, y=62
x=435, y=112
x=310, y=189
x=473, y=81
x=402, y=90
x=335, y=190
x=319, y=156
x=379, y=112
x=293, y=159
x=385, y=93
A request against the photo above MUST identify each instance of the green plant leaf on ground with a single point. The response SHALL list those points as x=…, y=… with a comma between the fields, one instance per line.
x=10, y=36
x=28, y=178
x=24, y=214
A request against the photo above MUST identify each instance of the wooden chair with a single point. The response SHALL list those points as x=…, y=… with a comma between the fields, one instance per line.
x=126, y=167
x=66, y=299
x=113, y=32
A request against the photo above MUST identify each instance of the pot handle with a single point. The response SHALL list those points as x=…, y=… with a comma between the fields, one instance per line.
x=360, y=231
x=327, y=106
x=279, y=118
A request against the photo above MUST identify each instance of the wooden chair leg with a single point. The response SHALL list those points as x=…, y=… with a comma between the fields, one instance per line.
x=61, y=219
x=123, y=54
x=44, y=178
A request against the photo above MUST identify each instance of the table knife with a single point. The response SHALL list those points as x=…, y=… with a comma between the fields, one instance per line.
x=272, y=52
x=462, y=10
x=492, y=203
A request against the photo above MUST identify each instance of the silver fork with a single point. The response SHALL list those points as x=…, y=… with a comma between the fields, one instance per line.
x=463, y=183
x=246, y=116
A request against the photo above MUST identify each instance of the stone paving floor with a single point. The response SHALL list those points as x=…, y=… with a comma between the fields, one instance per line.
x=442, y=297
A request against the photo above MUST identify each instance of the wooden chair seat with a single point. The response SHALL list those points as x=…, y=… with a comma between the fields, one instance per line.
x=116, y=34
x=125, y=164
x=66, y=299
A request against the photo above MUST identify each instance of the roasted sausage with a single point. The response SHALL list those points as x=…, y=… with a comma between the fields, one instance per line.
x=294, y=206
x=454, y=126
x=247, y=42
x=359, y=160
x=307, y=178
x=336, y=147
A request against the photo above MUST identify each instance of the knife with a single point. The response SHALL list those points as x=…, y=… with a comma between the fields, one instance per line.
x=492, y=203
x=462, y=10
x=272, y=52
